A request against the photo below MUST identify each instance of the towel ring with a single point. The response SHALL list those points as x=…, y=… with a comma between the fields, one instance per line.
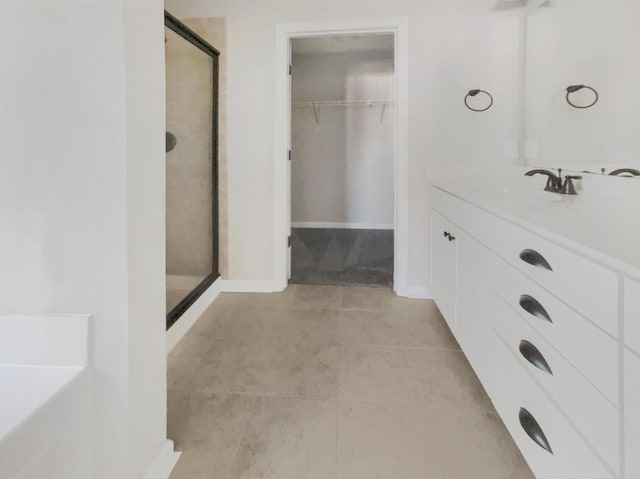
x=574, y=88
x=473, y=93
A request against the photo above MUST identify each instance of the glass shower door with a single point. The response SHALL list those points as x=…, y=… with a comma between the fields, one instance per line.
x=191, y=173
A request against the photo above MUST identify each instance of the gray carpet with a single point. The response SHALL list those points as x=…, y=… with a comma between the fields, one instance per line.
x=342, y=256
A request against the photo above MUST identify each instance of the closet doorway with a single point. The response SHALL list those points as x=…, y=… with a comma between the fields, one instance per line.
x=343, y=153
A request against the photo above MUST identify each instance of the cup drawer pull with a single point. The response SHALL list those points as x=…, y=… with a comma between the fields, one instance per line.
x=533, y=430
x=534, y=356
x=534, y=258
x=532, y=306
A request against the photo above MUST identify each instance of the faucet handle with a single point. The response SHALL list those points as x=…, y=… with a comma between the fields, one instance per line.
x=569, y=188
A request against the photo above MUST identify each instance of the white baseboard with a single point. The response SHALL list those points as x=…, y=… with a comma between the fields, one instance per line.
x=247, y=286
x=349, y=226
x=418, y=292
x=191, y=315
x=164, y=462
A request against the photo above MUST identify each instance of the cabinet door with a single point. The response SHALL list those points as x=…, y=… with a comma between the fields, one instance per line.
x=632, y=414
x=474, y=320
x=443, y=266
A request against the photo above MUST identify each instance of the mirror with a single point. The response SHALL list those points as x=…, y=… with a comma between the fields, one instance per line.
x=582, y=86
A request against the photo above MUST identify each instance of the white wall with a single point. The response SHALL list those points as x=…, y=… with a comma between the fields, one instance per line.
x=584, y=42
x=82, y=199
x=343, y=166
x=454, y=46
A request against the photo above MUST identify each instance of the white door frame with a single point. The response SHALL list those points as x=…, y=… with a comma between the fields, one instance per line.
x=284, y=33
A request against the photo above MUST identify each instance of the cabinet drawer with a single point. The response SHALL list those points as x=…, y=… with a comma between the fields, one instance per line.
x=529, y=415
x=589, y=288
x=581, y=343
x=590, y=412
x=632, y=314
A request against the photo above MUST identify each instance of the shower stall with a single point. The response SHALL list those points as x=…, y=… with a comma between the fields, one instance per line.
x=192, y=71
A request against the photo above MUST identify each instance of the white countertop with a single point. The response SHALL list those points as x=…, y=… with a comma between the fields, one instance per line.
x=604, y=229
x=26, y=389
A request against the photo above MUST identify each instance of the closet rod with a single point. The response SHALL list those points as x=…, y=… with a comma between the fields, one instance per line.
x=325, y=103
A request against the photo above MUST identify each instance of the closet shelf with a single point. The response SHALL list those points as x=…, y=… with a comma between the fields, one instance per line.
x=327, y=103
x=317, y=105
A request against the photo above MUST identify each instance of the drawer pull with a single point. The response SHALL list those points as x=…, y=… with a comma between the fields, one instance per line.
x=534, y=258
x=533, y=430
x=534, y=356
x=533, y=307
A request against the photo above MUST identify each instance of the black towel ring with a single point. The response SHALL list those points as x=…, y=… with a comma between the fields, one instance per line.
x=574, y=88
x=473, y=93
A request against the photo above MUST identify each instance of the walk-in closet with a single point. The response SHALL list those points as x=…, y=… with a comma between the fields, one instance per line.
x=343, y=160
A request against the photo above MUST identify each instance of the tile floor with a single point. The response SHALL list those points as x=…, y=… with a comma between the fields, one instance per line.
x=331, y=382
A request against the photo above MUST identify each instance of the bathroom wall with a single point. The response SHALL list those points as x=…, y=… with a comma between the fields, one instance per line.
x=343, y=162
x=588, y=42
x=454, y=46
x=82, y=200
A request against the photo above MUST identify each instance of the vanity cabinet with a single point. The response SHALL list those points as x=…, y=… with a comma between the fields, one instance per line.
x=540, y=325
x=463, y=299
x=632, y=377
x=444, y=267
x=632, y=414
x=632, y=315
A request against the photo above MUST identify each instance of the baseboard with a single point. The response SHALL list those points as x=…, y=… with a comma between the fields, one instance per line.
x=247, y=286
x=191, y=315
x=346, y=226
x=419, y=292
x=164, y=462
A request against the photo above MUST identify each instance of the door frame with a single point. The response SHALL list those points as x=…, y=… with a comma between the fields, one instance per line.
x=285, y=32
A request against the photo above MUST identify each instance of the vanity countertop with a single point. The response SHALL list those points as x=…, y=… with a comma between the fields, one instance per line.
x=606, y=230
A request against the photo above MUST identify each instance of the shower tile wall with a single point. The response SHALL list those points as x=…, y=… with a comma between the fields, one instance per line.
x=189, y=189
x=214, y=30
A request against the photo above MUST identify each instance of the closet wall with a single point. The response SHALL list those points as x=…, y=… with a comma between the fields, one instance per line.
x=343, y=161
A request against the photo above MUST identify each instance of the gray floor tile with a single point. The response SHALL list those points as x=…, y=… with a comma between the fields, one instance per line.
x=324, y=382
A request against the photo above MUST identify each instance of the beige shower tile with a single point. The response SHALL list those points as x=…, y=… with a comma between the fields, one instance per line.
x=289, y=439
x=385, y=441
x=476, y=444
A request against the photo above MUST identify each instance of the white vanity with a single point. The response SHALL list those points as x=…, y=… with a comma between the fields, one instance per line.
x=542, y=292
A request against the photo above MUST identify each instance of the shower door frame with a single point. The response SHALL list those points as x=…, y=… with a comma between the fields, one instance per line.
x=175, y=25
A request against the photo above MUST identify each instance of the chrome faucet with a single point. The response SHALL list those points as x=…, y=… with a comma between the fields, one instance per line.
x=625, y=172
x=554, y=182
